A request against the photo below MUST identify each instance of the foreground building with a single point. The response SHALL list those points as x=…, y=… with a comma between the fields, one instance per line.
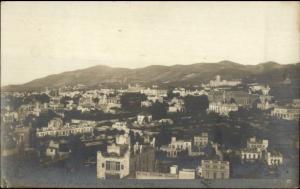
x=214, y=169
x=120, y=160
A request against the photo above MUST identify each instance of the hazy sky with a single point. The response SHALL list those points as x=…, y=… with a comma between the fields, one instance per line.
x=42, y=38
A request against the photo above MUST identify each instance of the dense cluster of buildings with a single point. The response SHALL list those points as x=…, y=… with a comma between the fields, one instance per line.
x=127, y=147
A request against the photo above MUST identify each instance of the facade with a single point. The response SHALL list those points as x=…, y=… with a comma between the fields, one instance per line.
x=264, y=89
x=154, y=92
x=223, y=108
x=218, y=82
x=259, y=145
x=241, y=98
x=287, y=113
x=177, y=147
x=201, y=140
x=56, y=128
x=144, y=118
x=114, y=163
x=121, y=160
x=265, y=105
x=274, y=158
x=250, y=154
x=214, y=169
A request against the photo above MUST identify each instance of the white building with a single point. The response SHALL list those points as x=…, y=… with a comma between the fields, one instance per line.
x=177, y=146
x=121, y=160
x=259, y=145
x=144, y=118
x=287, y=113
x=201, y=140
x=274, y=158
x=256, y=87
x=56, y=128
x=265, y=105
x=214, y=169
x=249, y=154
x=113, y=163
x=223, y=108
x=154, y=92
x=218, y=82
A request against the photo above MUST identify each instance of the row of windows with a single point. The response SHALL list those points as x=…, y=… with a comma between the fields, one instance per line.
x=215, y=175
x=113, y=166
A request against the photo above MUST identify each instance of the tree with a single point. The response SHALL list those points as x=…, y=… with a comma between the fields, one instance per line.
x=158, y=110
x=196, y=104
x=132, y=101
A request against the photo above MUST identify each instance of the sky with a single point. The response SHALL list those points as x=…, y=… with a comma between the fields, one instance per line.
x=43, y=38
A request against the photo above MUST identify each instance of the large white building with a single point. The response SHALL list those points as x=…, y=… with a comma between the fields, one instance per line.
x=121, y=160
x=56, y=128
x=218, y=82
x=287, y=113
x=250, y=154
x=222, y=108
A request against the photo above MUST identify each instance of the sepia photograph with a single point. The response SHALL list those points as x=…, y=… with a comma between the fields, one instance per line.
x=127, y=94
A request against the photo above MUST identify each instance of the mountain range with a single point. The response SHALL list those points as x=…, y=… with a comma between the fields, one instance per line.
x=176, y=75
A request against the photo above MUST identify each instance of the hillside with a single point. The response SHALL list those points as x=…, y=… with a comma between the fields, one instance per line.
x=173, y=75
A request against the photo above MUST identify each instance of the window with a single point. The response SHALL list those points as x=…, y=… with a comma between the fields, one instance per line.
x=108, y=165
x=102, y=165
x=118, y=166
x=112, y=165
x=122, y=167
x=222, y=175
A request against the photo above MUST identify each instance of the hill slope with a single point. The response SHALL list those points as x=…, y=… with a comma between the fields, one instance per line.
x=175, y=75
